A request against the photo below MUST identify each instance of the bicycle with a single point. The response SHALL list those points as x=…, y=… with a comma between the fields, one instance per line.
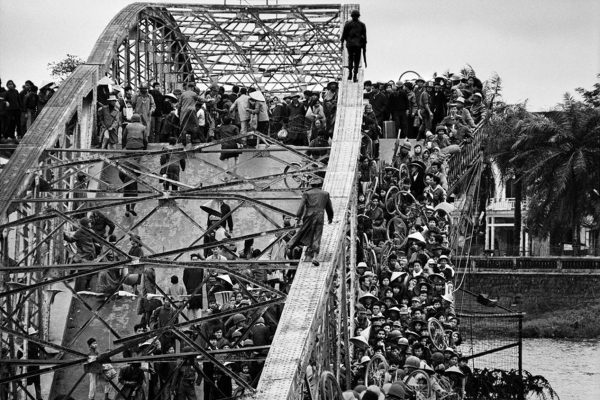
x=295, y=178
x=419, y=383
x=376, y=371
x=437, y=334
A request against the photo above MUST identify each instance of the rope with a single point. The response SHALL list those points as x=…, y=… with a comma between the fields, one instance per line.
x=475, y=179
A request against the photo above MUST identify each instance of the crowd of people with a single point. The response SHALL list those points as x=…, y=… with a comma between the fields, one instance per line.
x=443, y=111
x=404, y=273
x=18, y=109
x=406, y=328
x=194, y=116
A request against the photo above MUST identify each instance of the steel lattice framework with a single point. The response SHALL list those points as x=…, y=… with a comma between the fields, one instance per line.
x=277, y=49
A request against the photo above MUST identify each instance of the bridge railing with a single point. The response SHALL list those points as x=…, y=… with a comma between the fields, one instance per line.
x=530, y=263
x=461, y=161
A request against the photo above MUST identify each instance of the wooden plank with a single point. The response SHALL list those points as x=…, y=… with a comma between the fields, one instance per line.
x=306, y=303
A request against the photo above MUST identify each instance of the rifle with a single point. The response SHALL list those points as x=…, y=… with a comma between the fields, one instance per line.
x=365, y=55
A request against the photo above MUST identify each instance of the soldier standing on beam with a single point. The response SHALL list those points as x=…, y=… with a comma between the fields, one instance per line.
x=355, y=36
x=315, y=202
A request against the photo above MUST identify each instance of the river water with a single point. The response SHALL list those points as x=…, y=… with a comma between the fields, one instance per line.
x=571, y=367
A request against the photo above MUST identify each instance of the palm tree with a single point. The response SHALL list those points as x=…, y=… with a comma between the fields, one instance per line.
x=500, y=135
x=557, y=156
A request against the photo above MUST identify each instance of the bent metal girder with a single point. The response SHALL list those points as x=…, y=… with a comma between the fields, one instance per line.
x=278, y=49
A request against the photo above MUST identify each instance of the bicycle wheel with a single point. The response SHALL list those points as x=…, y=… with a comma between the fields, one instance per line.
x=388, y=230
x=365, y=240
x=387, y=249
x=405, y=198
x=294, y=181
x=391, y=198
x=445, y=384
x=404, y=178
x=372, y=260
x=448, y=388
x=329, y=388
x=437, y=334
x=419, y=382
x=376, y=371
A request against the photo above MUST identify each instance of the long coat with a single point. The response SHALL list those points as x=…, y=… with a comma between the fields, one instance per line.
x=315, y=202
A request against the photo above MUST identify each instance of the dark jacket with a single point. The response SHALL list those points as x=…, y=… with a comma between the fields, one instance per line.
x=170, y=166
x=159, y=101
x=379, y=102
x=398, y=102
x=225, y=209
x=85, y=243
x=135, y=136
x=13, y=98
x=355, y=34
x=100, y=222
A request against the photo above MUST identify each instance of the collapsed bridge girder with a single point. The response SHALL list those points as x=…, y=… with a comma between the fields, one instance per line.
x=281, y=49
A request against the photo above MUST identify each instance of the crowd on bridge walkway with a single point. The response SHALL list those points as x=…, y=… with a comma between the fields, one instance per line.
x=197, y=116
x=18, y=109
x=406, y=340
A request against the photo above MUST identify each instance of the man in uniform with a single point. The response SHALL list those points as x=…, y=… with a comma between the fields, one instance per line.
x=315, y=202
x=355, y=36
x=143, y=104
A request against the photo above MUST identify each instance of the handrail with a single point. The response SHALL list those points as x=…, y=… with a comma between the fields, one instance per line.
x=460, y=162
x=549, y=263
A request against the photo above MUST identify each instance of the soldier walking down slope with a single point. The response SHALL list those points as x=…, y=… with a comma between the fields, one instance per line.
x=355, y=36
x=315, y=202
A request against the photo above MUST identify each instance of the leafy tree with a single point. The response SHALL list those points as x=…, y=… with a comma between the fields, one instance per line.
x=60, y=70
x=559, y=157
x=592, y=96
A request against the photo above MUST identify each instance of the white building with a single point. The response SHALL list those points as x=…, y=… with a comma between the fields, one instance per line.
x=500, y=225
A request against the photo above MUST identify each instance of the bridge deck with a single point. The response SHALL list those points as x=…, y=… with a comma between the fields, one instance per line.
x=299, y=323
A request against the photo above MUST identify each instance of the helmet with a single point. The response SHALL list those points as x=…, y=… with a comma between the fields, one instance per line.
x=412, y=362
x=394, y=335
x=236, y=334
x=397, y=391
x=238, y=318
x=355, y=13
x=437, y=358
x=403, y=341
x=429, y=84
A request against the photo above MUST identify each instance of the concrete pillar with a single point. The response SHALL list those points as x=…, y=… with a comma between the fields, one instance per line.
x=493, y=234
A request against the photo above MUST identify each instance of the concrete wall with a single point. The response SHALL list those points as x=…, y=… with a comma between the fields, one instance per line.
x=539, y=292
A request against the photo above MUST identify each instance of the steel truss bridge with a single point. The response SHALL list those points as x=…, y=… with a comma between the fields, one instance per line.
x=279, y=49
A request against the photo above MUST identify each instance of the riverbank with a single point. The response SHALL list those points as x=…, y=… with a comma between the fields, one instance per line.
x=576, y=323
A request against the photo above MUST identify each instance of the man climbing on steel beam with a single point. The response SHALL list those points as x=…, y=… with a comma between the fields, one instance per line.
x=315, y=202
x=355, y=36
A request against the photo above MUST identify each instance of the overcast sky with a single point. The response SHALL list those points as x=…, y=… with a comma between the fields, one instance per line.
x=540, y=48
